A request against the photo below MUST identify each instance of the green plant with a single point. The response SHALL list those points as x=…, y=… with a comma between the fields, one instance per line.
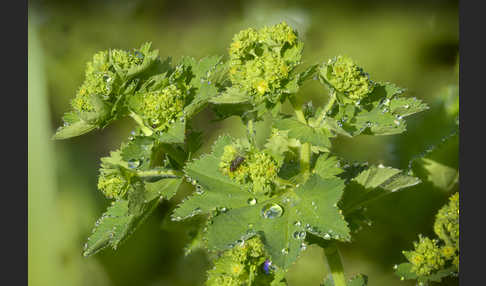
x=431, y=259
x=263, y=204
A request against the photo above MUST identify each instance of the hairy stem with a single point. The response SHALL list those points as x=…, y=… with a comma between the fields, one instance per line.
x=305, y=156
x=146, y=131
x=335, y=265
x=328, y=107
x=250, y=128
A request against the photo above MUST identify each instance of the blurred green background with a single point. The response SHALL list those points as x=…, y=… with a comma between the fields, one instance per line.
x=411, y=43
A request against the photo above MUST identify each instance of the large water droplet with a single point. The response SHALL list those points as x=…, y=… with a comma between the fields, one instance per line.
x=272, y=211
x=199, y=190
x=134, y=163
x=252, y=201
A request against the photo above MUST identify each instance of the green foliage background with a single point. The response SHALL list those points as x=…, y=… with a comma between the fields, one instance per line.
x=411, y=43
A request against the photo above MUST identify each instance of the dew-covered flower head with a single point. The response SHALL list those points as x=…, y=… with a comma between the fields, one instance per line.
x=345, y=76
x=261, y=61
x=254, y=167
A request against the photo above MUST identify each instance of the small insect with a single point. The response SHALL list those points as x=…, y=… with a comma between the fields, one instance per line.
x=236, y=163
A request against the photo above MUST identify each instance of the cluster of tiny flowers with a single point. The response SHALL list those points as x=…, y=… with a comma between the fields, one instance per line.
x=112, y=185
x=237, y=265
x=446, y=227
x=98, y=81
x=428, y=255
x=256, y=168
x=101, y=77
x=161, y=107
x=346, y=77
x=261, y=61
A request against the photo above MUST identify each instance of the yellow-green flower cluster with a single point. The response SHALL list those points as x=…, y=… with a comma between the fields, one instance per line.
x=112, y=185
x=258, y=168
x=125, y=60
x=446, y=224
x=159, y=108
x=261, y=61
x=426, y=257
x=446, y=227
x=98, y=81
x=237, y=265
x=346, y=77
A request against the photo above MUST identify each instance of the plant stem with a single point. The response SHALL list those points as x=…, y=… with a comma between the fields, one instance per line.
x=305, y=155
x=335, y=265
x=250, y=128
x=328, y=106
x=146, y=131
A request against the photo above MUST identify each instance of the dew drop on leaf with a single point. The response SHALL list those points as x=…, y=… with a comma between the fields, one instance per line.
x=299, y=234
x=285, y=251
x=303, y=246
x=272, y=211
x=132, y=164
x=252, y=201
x=327, y=236
x=297, y=223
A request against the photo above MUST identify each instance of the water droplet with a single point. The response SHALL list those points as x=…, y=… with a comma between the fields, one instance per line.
x=299, y=234
x=272, y=211
x=297, y=223
x=199, y=190
x=386, y=102
x=395, y=266
x=327, y=236
x=303, y=246
x=250, y=225
x=313, y=203
x=381, y=166
x=134, y=163
x=406, y=106
x=223, y=209
x=252, y=201
x=285, y=251
x=402, y=278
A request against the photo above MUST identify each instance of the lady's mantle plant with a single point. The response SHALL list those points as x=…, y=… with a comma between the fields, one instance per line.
x=433, y=259
x=263, y=204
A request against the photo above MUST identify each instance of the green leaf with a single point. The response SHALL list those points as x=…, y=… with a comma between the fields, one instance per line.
x=327, y=166
x=438, y=164
x=303, y=132
x=73, y=129
x=203, y=95
x=239, y=212
x=404, y=271
x=165, y=188
x=372, y=183
x=218, y=190
x=378, y=122
x=282, y=221
x=405, y=106
x=124, y=216
x=232, y=95
x=175, y=133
